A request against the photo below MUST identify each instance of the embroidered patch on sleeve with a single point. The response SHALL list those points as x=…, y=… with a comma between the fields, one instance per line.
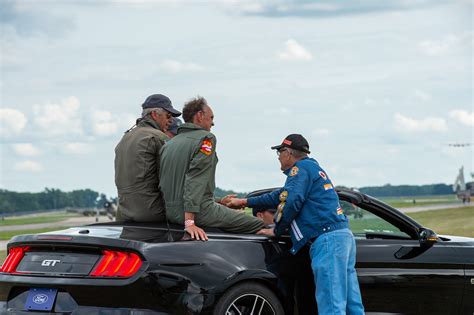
x=294, y=170
x=279, y=214
x=323, y=175
x=339, y=211
x=206, y=147
x=328, y=186
x=283, y=195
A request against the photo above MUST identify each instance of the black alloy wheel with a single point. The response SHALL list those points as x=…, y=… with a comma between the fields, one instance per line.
x=249, y=298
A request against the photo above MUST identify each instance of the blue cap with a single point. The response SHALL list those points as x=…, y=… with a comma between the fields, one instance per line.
x=258, y=209
x=173, y=128
x=160, y=101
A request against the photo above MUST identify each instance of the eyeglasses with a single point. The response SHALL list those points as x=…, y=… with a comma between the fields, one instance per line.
x=280, y=151
x=168, y=115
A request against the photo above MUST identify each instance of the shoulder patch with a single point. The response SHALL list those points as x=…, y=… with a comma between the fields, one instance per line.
x=294, y=170
x=206, y=147
x=328, y=186
x=323, y=175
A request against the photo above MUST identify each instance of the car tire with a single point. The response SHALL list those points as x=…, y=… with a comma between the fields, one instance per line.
x=249, y=298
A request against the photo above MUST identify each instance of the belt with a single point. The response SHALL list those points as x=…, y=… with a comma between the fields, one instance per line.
x=328, y=228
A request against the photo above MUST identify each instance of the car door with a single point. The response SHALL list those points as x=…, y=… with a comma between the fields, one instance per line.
x=397, y=274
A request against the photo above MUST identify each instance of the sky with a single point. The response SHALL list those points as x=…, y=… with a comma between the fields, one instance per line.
x=379, y=88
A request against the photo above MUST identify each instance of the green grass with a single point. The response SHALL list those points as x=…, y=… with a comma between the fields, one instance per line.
x=33, y=220
x=459, y=221
x=9, y=234
x=3, y=255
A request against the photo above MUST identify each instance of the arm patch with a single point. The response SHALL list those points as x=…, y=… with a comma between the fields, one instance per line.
x=294, y=170
x=206, y=147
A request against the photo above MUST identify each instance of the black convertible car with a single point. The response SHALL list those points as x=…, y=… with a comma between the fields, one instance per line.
x=117, y=268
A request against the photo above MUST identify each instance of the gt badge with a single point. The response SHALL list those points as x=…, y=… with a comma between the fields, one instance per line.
x=323, y=175
x=294, y=170
x=339, y=211
x=206, y=147
x=283, y=196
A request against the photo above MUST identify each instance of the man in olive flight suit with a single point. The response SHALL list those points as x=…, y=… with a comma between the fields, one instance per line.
x=187, y=172
x=137, y=163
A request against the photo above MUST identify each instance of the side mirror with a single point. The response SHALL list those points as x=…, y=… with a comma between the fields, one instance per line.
x=428, y=237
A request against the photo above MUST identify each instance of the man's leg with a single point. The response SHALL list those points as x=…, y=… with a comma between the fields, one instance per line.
x=229, y=220
x=354, y=299
x=329, y=260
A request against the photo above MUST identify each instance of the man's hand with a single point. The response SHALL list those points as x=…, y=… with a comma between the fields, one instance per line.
x=196, y=233
x=236, y=203
x=226, y=199
x=267, y=232
x=189, y=226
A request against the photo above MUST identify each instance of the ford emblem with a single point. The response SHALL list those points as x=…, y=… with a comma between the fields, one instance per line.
x=40, y=298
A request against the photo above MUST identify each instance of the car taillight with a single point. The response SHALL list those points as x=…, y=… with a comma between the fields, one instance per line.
x=117, y=264
x=15, y=255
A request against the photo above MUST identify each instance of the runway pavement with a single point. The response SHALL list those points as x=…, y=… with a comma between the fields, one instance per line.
x=434, y=207
x=74, y=221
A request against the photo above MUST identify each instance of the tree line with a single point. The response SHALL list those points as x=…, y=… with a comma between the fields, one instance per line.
x=381, y=191
x=50, y=198
x=407, y=190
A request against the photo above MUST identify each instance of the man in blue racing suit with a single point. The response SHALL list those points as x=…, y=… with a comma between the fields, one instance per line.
x=309, y=207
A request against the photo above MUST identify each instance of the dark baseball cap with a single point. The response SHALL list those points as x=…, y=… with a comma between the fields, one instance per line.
x=294, y=141
x=160, y=101
x=173, y=128
x=257, y=210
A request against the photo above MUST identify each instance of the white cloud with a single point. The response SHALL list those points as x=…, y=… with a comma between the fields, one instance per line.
x=103, y=124
x=12, y=122
x=320, y=132
x=76, y=148
x=294, y=51
x=126, y=121
x=25, y=149
x=174, y=66
x=408, y=124
x=463, y=116
x=59, y=119
x=443, y=46
x=28, y=166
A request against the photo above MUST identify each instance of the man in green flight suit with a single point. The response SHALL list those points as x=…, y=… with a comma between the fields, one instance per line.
x=187, y=172
x=137, y=163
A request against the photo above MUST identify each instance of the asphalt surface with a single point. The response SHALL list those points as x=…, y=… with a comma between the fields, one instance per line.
x=74, y=221
x=434, y=207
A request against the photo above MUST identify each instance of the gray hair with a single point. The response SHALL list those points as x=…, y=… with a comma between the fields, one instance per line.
x=297, y=154
x=147, y=111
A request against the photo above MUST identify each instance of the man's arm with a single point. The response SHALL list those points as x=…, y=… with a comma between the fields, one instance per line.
x=292, y=201
x=195, y=183
x=268, y=200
